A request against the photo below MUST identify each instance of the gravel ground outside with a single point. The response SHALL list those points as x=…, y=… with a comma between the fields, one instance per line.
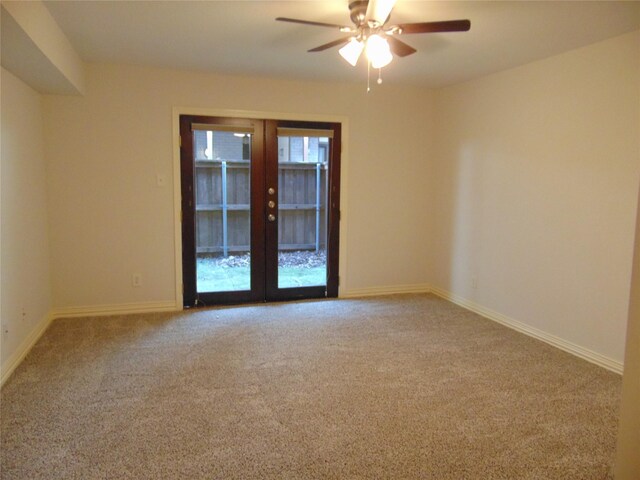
x=295, y=269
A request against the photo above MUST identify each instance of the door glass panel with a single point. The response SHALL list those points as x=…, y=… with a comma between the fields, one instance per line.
x=222, y=212
x=302, y=212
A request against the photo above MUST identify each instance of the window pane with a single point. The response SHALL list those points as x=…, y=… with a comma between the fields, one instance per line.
x=302, y=212
x=223, y=226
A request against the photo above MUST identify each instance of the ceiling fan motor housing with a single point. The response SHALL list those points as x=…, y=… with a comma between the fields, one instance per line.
x=358, y=9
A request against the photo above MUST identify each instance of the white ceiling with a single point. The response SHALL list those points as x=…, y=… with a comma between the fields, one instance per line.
x=242, y=37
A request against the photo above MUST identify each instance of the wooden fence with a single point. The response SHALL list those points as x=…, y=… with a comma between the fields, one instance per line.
x=223, y=201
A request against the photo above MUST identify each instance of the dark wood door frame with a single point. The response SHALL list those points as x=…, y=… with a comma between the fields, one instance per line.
x=264, y=235
x=190, y=291
x=333, y=218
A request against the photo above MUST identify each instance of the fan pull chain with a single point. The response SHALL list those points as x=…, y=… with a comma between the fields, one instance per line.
x=379, y=81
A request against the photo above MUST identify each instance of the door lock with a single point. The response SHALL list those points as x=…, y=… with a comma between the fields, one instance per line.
x=271, y=191
x=271, y=217
x=271, y=204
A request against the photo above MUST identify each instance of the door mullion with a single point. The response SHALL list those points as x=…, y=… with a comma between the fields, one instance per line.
x=271, y=193
x=258, y=182
x=333, y=208
x=188, y=214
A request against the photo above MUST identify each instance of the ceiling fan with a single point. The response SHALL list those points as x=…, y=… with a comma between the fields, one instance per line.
x=371, y=34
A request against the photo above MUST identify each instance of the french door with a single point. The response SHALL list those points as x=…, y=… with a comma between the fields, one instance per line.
x=260, y=209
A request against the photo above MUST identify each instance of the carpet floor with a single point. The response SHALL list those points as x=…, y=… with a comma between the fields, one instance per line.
x=403, y=386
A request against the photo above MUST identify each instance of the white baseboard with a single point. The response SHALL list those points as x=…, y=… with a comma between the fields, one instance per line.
x=387, y=290
x=118, y=309
x=577, y=350
x=16, y=358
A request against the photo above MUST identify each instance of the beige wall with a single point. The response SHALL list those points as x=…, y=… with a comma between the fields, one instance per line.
x=25, y=279
x=535, y=202
x=109, y=219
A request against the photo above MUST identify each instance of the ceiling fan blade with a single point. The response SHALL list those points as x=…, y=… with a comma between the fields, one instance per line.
x=435, y=27
x=379, y=10
x=400, y=48
x=315, y=24
x=335, y=43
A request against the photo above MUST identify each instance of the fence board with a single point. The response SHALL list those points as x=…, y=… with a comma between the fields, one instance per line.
x=297, y=206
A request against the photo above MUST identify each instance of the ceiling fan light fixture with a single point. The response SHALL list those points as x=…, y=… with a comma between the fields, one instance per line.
x=382, y=61
x=351, y=51
x=378, y=51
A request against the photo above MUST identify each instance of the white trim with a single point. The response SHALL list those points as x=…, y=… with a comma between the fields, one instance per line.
x=119, y=309
x=387, y=290
x=177, y=207
x=581, y=352
x=306, y=117
x=25, y=347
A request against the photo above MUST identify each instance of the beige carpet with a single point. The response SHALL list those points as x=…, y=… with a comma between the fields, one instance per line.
x=405, y=386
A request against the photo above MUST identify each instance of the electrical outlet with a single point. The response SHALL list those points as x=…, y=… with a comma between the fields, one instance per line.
x=136, y=280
